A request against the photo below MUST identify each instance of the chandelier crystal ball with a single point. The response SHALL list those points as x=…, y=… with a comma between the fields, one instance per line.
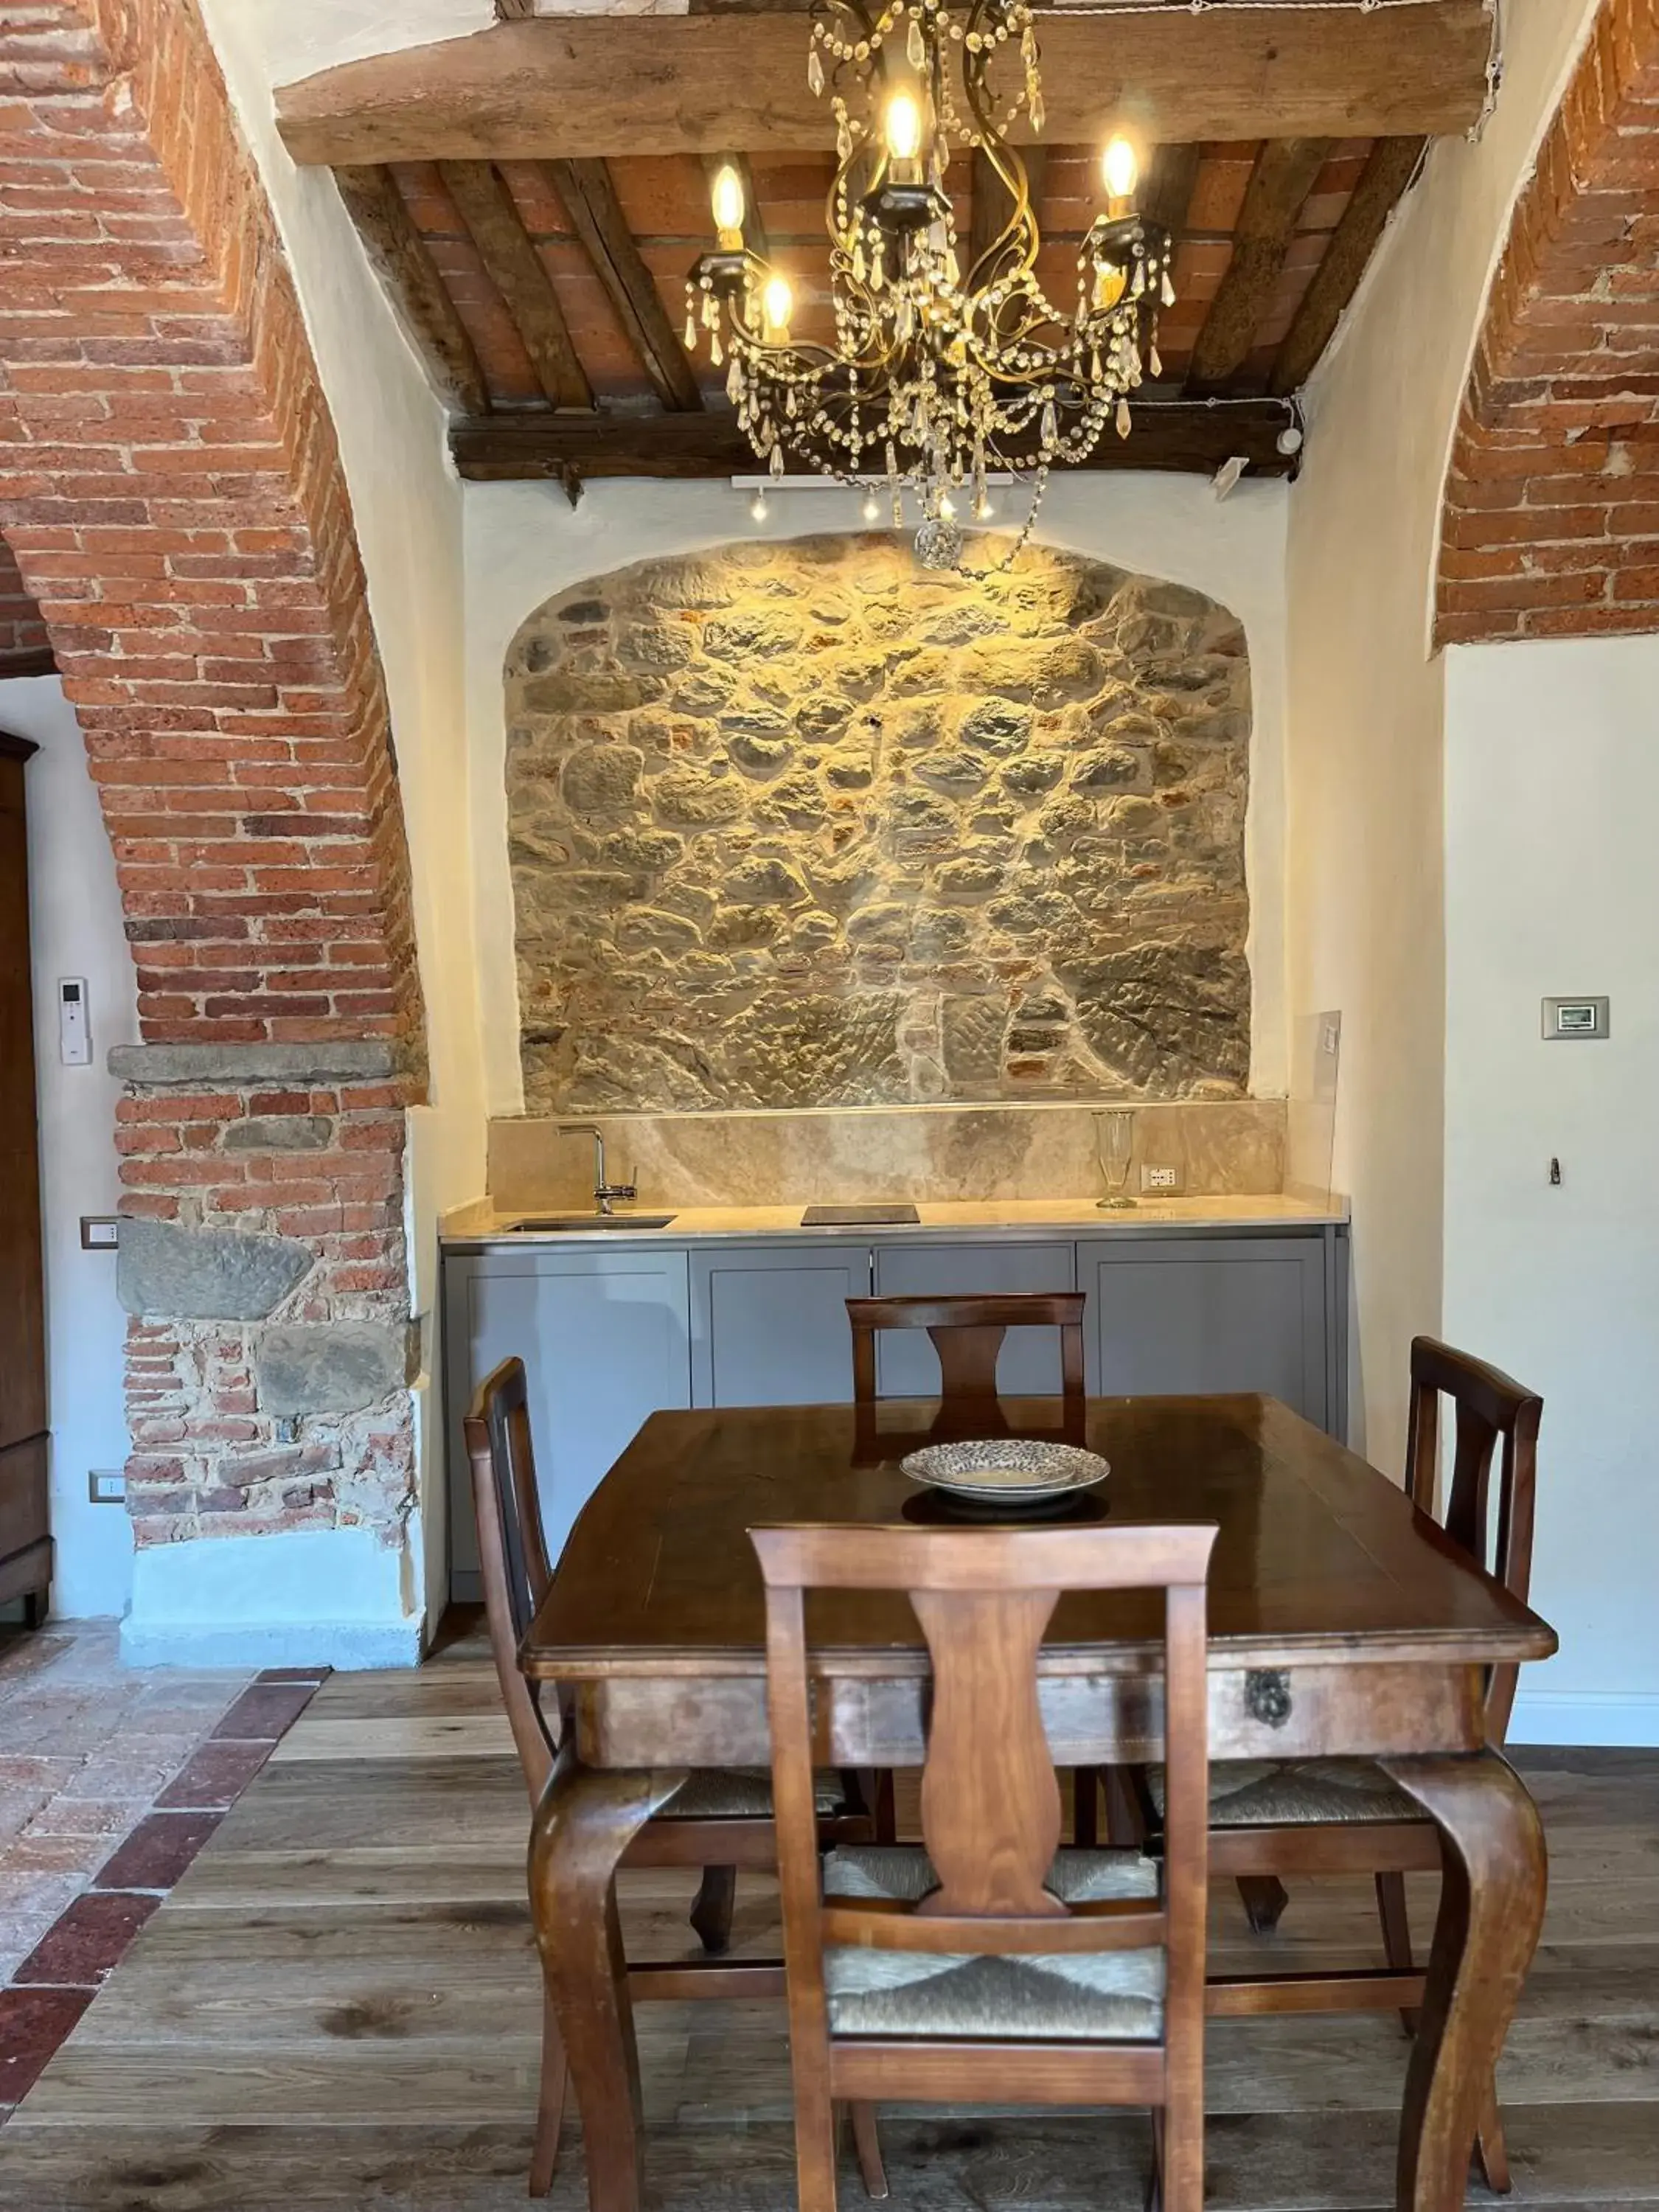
x=941, y=371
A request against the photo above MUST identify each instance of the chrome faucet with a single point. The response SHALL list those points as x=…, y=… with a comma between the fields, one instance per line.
x=603, y=1193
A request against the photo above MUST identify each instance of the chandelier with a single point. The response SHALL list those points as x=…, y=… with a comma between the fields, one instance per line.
x=939, y=375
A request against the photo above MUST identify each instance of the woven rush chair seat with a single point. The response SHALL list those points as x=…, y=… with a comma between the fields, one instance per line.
x=744, y=1793
x=1117, y=1995
x=1297, y=1792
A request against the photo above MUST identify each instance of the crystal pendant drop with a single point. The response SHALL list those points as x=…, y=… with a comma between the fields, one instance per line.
x=776, y=463
x=734, y=382
x=714, y=353
x=690, y=331
x=1036, y=108
x=814, y=72
x=1169, y=290
x=1050, y=429
x=915, y=46
x=1154, y=360
x=1123, y=419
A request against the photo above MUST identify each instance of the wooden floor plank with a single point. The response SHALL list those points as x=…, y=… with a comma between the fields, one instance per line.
x=339, y=2008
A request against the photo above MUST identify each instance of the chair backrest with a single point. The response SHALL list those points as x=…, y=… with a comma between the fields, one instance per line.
x=1490, y=1405
x=990, y=1798
x=967, y=1334
x=512, y=1550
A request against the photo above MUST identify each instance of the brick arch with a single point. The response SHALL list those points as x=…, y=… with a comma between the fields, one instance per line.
x=1550, y=526
x=172, y=491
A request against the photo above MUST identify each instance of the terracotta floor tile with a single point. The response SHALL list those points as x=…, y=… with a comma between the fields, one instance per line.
x=217, y=1775
x=33, y=2023
x=89, y=1940
x=89, y=1816
x=158, y=1850
x=59, y=1857
x=28, y=1771
x=266, y=1711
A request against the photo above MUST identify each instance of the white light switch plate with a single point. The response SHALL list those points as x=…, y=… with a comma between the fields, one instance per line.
x=74, y=1021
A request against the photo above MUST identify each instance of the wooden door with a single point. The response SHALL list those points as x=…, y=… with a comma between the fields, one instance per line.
x=24, y=1552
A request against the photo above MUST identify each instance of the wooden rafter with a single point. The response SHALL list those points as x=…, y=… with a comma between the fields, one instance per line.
x=596, y=215
x=405, y=267
x=519, y=275
x=576, y=86
x=1171, y=175
x=1282, y=179
x=1189, y=435
x=1390, y=167
x=992, y=203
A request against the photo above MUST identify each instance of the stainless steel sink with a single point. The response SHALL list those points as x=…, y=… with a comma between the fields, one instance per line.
x=535, y=1224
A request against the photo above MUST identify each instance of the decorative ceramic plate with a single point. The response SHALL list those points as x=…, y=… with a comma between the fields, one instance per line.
x=1010, y=1472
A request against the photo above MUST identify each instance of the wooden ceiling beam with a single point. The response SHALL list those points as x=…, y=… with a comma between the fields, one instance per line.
x=400, y=258
x=595, y=214
x=1282, y=179
x=589, y=85
x=1172, y=177
x=1185, y=436
x=519, y=275
x=1390, y=167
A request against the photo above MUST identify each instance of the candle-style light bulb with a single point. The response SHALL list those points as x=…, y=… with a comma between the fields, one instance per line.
x=872, y=508
x=902, y=127
x=777, y=304
x=1121, y=169
x=726, y=198
x=757, y=507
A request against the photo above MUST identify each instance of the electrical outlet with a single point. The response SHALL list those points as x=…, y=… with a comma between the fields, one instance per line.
x=107, y=1486
x=1163, y=1179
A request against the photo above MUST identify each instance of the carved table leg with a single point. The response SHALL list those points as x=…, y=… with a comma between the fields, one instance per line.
x=584, y=1821
x=1491, y=1907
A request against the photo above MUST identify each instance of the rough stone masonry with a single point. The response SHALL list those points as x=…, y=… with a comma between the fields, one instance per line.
x=798, y=824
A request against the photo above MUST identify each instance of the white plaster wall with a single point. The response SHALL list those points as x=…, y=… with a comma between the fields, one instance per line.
x=1551, y=785
x=1364, y=887
x=74, y=929
x=524, y=542
x=407, y=505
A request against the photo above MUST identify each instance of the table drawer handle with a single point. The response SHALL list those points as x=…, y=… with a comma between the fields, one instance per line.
x=1267, y=1696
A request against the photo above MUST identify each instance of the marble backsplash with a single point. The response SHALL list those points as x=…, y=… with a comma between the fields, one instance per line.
x=931, y=1154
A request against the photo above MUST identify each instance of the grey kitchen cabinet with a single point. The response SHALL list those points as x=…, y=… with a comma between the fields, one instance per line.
x=769, y=1323
x=906, y=1366
x=1216, y=1313
x=606, y=1340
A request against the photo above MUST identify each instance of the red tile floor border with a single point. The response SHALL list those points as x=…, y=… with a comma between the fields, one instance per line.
x=151, y=1838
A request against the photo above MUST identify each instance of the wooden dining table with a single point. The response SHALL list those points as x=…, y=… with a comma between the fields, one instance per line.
x=1342, y=1621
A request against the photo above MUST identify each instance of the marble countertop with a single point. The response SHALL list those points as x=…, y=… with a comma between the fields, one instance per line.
x=481, y=1223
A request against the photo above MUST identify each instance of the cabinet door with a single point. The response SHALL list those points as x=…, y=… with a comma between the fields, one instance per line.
x=906, y=1366
x=1208, y=1313
x=769, y=1323
x=605, y=1342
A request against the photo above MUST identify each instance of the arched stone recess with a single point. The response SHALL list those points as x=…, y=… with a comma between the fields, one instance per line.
x=171, y=487
x=1550, y=526
x=796, y=825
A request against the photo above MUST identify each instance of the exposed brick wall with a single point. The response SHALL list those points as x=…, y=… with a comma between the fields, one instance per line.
x=171, y=487
x=22, y=633
x=208, y=1457
x=1551, y=526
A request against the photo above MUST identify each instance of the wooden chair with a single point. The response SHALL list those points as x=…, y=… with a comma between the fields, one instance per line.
x=968, y=1334
x=1333, y=1816
x=990, y=1968
x=717, y=1821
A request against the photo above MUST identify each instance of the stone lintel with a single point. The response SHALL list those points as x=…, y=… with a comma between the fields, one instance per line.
x=235, y=1067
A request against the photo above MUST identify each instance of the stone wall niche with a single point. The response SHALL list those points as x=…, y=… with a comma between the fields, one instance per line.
x=798, y=824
